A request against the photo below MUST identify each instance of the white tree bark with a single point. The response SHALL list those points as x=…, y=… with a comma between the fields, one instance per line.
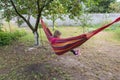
x=36, y=38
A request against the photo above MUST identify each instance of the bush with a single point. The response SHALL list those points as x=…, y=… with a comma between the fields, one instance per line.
x=7, y=37
x=15, y=35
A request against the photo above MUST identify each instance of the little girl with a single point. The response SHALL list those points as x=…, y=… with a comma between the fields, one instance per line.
x=57, y=35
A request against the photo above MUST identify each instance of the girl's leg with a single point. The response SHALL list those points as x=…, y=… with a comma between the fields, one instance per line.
x=75, y=52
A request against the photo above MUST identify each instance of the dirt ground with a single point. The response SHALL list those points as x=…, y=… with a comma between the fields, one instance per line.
x=99, y=60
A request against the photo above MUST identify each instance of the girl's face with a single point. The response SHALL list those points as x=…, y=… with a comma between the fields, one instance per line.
x=58, y=36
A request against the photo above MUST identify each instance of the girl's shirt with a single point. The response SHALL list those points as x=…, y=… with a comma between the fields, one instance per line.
x=53, y=40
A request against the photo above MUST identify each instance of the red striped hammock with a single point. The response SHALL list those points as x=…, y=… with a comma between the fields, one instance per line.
x=66, y=44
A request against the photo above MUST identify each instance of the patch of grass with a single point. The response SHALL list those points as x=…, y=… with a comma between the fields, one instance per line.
x=117, y=34
x=27, y=39
x=8, y=37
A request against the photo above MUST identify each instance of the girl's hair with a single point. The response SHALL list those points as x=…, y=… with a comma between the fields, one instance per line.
x=57, y=33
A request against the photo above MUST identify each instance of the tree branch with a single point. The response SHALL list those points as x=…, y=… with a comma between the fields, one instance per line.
x=38, y=16
x=21, y=16
x=40, y=11
x=28, y=18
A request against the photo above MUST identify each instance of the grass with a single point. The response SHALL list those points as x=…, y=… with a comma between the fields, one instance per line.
x=27, y=39
x=117, y=34
x=17, y=62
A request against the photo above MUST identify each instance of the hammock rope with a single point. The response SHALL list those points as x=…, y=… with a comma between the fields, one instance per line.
x=63, y=45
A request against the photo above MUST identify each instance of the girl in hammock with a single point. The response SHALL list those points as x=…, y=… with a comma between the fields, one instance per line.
x=57, y=35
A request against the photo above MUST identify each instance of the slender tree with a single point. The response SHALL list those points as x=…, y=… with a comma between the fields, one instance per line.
x=55, y=11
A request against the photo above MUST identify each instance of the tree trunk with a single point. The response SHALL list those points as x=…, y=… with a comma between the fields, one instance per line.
x=18, y=21
x=53, y=22
x=83, y=29
x=53, y=25
x=36, y=38
x=9, y=26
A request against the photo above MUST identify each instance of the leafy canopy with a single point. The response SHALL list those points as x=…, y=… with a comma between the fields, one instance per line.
x=101, y=7
x=115, y=7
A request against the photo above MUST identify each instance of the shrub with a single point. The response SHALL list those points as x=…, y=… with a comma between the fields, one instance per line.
x=15, y=35
x=7, y=37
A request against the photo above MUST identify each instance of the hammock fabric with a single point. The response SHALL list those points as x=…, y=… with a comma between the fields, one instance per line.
x=60, y=46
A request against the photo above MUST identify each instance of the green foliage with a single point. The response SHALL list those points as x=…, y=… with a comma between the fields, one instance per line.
x=115, y=7
x=101, y=7
x=7, y=37
x=85, y=21
x=54, y=11
x=30, y=8
x=19, y=21
x=15, y=35
x=72, y=8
